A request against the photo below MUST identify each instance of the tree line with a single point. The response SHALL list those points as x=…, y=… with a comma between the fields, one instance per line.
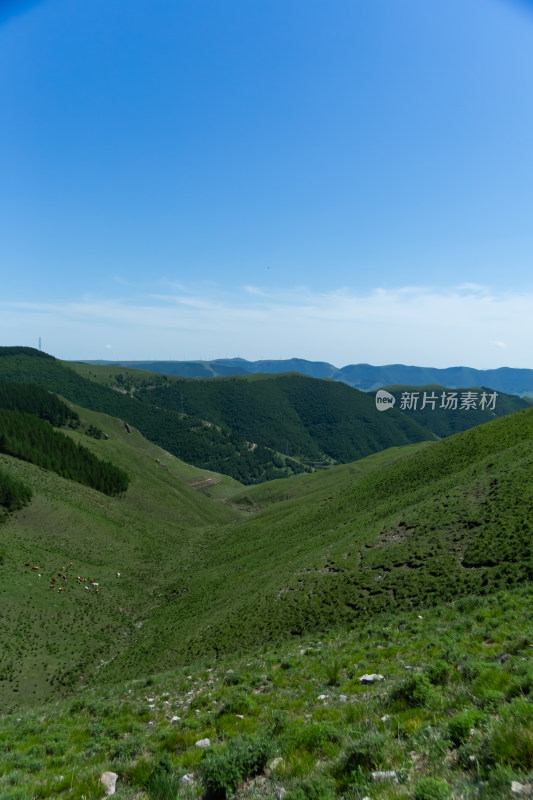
x=31, y=439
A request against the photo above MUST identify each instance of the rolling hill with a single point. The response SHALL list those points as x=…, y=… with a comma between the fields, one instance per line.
x=407, y=527
x=266, y=605
x=255, y=428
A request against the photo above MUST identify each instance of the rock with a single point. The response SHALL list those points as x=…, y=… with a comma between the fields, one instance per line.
x=385, y=717
x=322, y=697
x=174, y=719
x=187, y=779
x=109, y=781
x=203, y=743
x=280, y=793
x=384, y=775
x=239, y=716
x=524, y=789
x=343, y=698
x=371, y=678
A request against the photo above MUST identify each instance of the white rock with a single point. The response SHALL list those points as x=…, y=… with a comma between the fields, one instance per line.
x=174, y=719
x=280, y=793
x=384, y=775
x=519, y=788
x=239, y=716
x=371, y=678
x=343, y=698
x=187, y=779
x=203, y=743
x=109, y=781
x=322, y=697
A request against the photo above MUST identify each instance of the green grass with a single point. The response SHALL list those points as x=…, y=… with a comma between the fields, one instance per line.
x=251, y=612
x=201, y=577
x=297, y=731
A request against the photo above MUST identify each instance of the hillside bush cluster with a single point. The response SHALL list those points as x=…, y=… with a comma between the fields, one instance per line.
x=33, y=399
x=14, y=494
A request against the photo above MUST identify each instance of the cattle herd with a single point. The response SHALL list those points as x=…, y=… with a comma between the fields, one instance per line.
x=59, y=585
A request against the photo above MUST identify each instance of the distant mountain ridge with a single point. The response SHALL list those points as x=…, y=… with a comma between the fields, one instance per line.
x=365, y=377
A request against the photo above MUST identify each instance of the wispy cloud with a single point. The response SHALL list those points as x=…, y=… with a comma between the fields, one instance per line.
x=467, y=324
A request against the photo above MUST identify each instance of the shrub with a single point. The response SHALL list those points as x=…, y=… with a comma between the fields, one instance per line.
x=164, y=786
x=367, y=751
x=333, y=671
x=251, y=753
x=279, y=719
x=415, y=691
x=238, y=703
x=222, y=770
x=432, y=789
x=490, y=699
x=511, y=745
x=460, y=725
x=438, y=672
x=220, y=774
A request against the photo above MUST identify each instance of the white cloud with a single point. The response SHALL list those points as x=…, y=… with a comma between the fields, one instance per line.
x=468, y=325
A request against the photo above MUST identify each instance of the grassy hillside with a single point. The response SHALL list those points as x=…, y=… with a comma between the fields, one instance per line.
x=449, y=520
x=452, y=718
x=200, y=578
x=49, y=638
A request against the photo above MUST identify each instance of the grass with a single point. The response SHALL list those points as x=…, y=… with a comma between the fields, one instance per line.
x=428, y=725
x=201, y=577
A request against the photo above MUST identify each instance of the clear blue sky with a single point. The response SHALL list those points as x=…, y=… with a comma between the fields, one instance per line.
x=343, y=180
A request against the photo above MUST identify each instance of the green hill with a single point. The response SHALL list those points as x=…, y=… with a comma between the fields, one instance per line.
x=317, y=422
x=450, y=519
x=144, y=534
x=254, y=429
x=198, y=577
x=189, y=437
x=266, y=604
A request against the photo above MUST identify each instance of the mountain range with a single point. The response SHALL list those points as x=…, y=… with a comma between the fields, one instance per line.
x=365, y=377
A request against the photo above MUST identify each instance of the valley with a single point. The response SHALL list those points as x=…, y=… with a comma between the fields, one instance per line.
x=374, y=562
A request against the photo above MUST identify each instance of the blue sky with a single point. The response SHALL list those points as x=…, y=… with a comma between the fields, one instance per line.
x=342, y=180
